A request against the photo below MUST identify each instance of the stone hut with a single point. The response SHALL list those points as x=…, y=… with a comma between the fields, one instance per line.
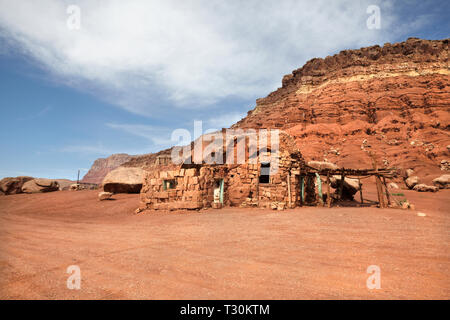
x=269, y=177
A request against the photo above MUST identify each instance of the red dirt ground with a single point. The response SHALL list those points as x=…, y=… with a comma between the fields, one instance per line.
x=305, y=253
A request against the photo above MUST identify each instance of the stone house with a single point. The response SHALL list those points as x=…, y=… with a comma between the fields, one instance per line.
x=268, y=178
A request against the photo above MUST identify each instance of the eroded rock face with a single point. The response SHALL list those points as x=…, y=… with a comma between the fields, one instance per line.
x=103, y=166
x=13, y=185
x=124, y=180
x=443, y=182
x=392, y=100
x=40, y=185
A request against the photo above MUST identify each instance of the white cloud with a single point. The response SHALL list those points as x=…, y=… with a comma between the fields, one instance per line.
x=158, y=136
x=191, y=54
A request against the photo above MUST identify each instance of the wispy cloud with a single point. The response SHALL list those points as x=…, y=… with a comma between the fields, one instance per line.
x=36, y=115
x=143, y=55
x=158, y=136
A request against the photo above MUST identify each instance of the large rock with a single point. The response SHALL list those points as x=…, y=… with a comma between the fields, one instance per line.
x=445, y=165
x=412, y=181
x=443, y=182
x=124, y=180
x=40, y=185
x=105, y=196
x=319, y=165
x=393, y=185
x=409, y=172
x=351, y=186
x=424, y=188
x=13, y=185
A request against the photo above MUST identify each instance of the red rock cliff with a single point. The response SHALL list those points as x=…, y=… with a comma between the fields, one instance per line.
x=394, y=100
x=103, y=166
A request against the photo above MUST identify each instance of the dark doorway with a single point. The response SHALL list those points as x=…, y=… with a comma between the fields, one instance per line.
x=264, y=176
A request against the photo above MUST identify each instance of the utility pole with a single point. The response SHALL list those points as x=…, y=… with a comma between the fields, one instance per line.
x=78, y=178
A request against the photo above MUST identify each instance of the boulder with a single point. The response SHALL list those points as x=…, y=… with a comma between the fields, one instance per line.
x=443, y=182
x=445, y=165
x=124, y=180
x=319, y=165
x=424, y=188
x=13, y=185
x=412, y=181
x=351, y=186
x=409, y=172
x=64, y=184
x=105, y=195
x=393, y=185
x=40, y=185
x=75, y=187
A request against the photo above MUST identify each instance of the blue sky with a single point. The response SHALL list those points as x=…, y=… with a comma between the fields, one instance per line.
x=137, y=70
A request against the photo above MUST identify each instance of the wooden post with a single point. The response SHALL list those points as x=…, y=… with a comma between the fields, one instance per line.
x=388, y=196
x=302, y=190
x=289, y=189
x=328, y=190
x=319, y=188
x=378, y=181
x=380, y=191
x=341, y=187
x=360, y=190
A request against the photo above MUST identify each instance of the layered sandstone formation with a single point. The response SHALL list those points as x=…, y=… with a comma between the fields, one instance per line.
x=392, y=100
x=103, y=166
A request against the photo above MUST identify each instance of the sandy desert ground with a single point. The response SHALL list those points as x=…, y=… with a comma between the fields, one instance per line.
x=304, y=253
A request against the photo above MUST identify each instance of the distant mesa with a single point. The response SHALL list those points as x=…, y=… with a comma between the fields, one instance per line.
x=103, y=166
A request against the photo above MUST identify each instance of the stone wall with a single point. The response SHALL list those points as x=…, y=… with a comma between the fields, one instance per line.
x=193, y=188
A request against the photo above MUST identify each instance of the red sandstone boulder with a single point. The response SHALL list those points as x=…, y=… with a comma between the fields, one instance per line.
x=412, y=181
x=13, y=185
x=124, y=180
x=351, y=186
x=40, y=185
x=425, y=188
x=105, y=196
x=443, y=182
x=319, y=165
